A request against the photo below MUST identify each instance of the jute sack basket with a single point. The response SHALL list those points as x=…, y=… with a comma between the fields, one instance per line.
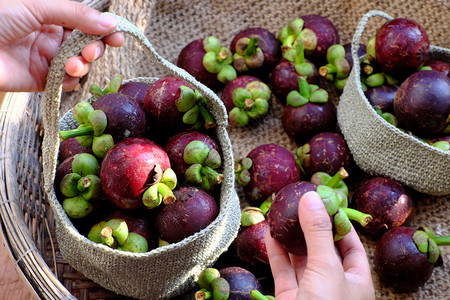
x=380, y=148
x=163, y=272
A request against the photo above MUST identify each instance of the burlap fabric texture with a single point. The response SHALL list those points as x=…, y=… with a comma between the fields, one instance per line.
x=165, y=271
x=381, y=149
x=172, y=24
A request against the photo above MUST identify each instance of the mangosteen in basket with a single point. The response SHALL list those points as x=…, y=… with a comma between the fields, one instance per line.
x=175, y=106
x=284, y=76
x=405, y=257
x=136, y=173
x=382, y=97
x=401, y=46
x=325, y=152
x=317, y=33
x=387, y=201
x=135, y=89
x=247, y=99
x=255, y=51
x=422, y=103
x=193, y=210
x=208, y=61
x=265, y=170
x=70, y=147
x=308, y=111
x=440, y=66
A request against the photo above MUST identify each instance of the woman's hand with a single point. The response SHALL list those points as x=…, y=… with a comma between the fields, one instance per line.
x=31, y=33
x=327, y=272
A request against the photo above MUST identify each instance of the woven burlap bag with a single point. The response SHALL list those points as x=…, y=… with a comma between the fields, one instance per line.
x=382, y=149
x=165, y=271
x=171, y=24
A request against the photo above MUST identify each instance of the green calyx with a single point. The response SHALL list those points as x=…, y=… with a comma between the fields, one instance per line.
x=428, y=243
x=306, y=93
x=443, y=145
x=77, y=207
x=161, y=191
x=251, y=216
x=295, y=32
x=335, y=201
x=265, y=205
x=193, y=105
x=203, y=162
x=248, y=55
x=85, y=164
x=113, y=87
x=388, y=117
x=370, y=49
x=337, y=67
x=90, y=132
x=134, y=243
x=212, y=286
x=218, y=60
x=296, y=55
x=303, y=158
x=257, y=295
x=242, y=170
x=251, y=102
x=114, y=233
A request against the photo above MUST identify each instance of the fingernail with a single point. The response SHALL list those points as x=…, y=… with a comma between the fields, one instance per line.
x=108, y=21
x=97, y=53
x=312, y=201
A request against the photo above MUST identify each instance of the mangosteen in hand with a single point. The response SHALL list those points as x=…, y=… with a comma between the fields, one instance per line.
x=246, y=98
x=325, y=152
x=308, y=111
x=422, y=103
x=401, y=47
x=255, y=51
x=193, y=211
x=283, y=214
x=284, y=76
x=208, y=61
x=405, y=258
x=265, y=170
x=388, y=202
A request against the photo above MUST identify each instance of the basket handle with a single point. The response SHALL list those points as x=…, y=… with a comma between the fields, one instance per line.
x=52, y=93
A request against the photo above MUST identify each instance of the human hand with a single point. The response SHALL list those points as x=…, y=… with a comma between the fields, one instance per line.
x=327, y=272
x=32, y=31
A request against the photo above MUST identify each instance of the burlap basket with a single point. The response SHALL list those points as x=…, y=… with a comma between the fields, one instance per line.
x=382, y=149
x=162, y=272
x=28, y=221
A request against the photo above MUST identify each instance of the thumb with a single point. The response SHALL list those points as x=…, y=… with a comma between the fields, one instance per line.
x=72, y=14
x=316, y=226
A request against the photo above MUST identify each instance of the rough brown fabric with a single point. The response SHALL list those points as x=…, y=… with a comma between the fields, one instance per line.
x=171, y=24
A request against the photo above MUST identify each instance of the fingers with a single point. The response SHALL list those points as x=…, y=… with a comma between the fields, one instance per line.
x=354, y=255
x=77, y=66
x=73, y=14
x=316, y=226
x=282, y=270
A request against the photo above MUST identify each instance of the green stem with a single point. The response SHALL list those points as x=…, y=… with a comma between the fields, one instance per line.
x=251, y=47
x=212, y=174
x=442, y=240
x=303, y=87
x=339, y=176
x=85, y=130
x=265, y=206
x=357, y=216
x=209, y=119
x=257, y=295
x=300, y=57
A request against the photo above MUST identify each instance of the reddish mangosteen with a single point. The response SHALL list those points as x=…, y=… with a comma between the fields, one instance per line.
x=387, y=201
x=405, y=257
x=255, y=51
x=70, y=147
x=246, y=98
x=133, y=168
x=283, y=214
x=135, y=90
x=241, y=282
x=193, y=211
x=175, y=106
x=176, y=144
x=401, y=46
x=325, y=152
x=422, y=103
x=382, y=97
x=317, y=33
x=284, y=76
x=250, y=245
x=308, y=112
x=265, y=170
x=440, y=66
x=208, y=61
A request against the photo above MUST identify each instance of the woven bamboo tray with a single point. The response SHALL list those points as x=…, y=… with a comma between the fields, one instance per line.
x=27, y=220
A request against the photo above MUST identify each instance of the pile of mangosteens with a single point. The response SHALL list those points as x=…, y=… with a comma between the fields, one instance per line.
x=143, y=169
